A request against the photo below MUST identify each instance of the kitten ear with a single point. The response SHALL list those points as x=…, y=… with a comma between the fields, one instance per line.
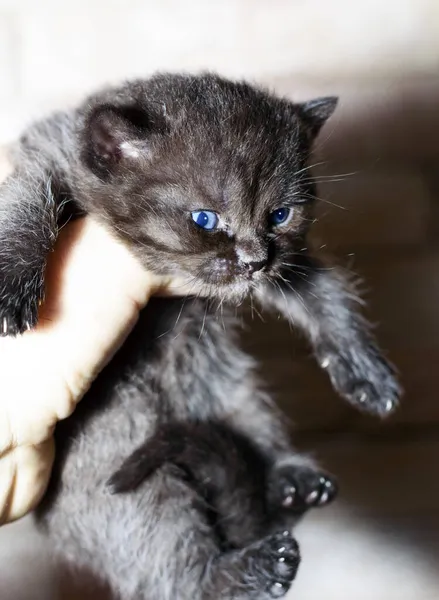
x=316, y=112
x=113, y=135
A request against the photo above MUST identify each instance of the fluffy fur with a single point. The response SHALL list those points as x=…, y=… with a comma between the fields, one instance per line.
x=175, y=478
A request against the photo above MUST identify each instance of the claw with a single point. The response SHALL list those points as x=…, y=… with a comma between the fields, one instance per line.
x=324, y=498
x=389, y=405
x=289, y=496
x=312, y=497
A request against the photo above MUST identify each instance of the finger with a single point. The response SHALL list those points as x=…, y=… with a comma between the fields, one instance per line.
x=24, y=476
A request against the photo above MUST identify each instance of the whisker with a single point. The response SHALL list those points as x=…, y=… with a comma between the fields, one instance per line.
x=287, y=307
x=297, y=266
x=293, y=268
x=340, y=176
x=324, y=200
x=221, y=311
x=204, y=321
x=259, y=315
x=308, y=167
x=302, y=301
x=180, y=312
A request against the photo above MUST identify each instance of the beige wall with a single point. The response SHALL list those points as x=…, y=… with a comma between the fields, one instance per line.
x=52, y=51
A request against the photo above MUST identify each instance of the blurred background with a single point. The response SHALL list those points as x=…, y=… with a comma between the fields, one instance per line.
x=379, y=216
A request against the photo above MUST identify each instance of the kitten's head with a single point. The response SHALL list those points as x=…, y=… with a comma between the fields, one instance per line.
x=205, y=178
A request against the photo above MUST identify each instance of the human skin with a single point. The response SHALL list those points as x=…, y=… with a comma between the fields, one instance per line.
x=95, y=289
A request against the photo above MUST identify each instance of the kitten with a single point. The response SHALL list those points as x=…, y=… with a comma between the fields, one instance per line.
x=175, y=477
x=204, y=179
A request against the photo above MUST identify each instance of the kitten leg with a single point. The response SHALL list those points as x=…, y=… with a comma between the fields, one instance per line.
x=295, y=482
x=321, y=302
x=28, y=230
x=262, y=571
x=296, y=485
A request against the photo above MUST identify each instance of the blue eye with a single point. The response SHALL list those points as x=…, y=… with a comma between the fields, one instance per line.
x=206, y=219
x=280, y=216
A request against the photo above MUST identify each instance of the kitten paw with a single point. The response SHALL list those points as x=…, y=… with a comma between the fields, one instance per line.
x=275, y=563
x=298, y=488
x=19, y=302
x=363, y=377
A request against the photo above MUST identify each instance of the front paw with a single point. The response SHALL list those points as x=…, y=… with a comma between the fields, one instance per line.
x=19, y=301
x=363, y=377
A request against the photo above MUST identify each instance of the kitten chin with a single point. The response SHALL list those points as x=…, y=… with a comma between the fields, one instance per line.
x=232, y=295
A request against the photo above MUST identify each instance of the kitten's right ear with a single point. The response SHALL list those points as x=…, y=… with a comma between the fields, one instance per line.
x=316, y=112
x=113, y=135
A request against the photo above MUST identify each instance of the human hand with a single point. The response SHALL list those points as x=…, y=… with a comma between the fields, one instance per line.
x=95, y=289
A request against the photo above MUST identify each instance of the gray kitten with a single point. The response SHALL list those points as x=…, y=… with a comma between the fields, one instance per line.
x=175, y=477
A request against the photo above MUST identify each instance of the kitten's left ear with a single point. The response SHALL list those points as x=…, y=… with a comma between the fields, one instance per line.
x=114, y=136
x=316, y=112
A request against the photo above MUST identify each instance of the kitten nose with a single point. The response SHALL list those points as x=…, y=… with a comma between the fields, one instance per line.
x=255, y=265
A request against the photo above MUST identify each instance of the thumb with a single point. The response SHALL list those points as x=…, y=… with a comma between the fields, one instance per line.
x=24, y=476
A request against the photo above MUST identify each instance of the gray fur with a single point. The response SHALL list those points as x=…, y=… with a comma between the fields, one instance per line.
x=155, y=541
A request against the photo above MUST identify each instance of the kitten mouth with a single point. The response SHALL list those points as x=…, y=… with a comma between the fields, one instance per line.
x=234, y=290
x=222, y=282
x=223, y=274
